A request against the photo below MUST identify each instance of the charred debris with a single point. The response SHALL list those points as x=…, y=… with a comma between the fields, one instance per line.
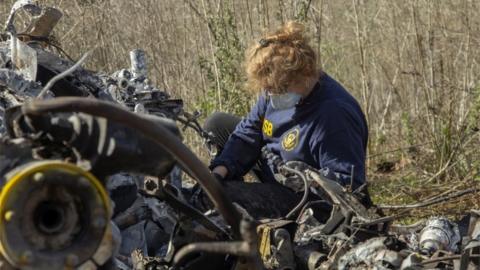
x=91, y=168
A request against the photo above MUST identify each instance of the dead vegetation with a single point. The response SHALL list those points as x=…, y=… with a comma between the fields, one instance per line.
x=413, y=66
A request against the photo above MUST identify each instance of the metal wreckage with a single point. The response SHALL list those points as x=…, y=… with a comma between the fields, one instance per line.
x=91, y=168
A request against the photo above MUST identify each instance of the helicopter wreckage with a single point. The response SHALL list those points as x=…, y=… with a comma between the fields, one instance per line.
x=91, y=169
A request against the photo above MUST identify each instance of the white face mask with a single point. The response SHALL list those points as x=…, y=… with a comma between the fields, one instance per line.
x=284, y=101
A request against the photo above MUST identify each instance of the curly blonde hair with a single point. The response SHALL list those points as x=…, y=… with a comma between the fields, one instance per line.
x=280, y=59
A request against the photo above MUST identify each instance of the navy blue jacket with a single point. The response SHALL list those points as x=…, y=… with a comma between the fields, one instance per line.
x=326, y=130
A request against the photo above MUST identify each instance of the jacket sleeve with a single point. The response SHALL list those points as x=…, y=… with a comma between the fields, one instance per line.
x=244, y=145
x=338, y=146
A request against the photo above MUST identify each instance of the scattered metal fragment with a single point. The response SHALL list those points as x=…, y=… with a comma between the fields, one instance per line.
x=24, y=58
x=439, y=234
x=138, y=60
x=376, y=252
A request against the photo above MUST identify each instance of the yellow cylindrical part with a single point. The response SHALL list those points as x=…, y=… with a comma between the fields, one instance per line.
x=62, y=198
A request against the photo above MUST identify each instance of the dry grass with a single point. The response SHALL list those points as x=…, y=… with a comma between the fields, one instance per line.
x=413, y=65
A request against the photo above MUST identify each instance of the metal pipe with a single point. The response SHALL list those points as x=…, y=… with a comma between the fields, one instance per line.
x=247, y=248
x=238, y=248
x=138, y=60
x=305, y=192
x=63, y=74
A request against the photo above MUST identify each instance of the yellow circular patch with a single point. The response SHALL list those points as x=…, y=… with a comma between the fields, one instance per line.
x=290, y=140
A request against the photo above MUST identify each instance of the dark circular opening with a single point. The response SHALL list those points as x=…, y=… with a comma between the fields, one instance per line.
x=49, y=218
x=123, y=84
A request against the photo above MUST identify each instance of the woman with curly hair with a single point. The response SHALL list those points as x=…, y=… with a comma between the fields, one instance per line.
x=302, y=114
